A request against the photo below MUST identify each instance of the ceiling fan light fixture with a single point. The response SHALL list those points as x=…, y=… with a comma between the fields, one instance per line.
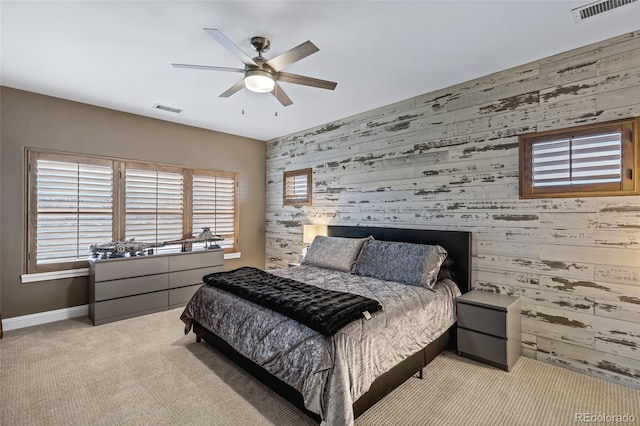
x=259, y=81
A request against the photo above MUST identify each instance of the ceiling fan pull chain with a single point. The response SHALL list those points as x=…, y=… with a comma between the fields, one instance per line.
x=275, y=100
x=243, y=98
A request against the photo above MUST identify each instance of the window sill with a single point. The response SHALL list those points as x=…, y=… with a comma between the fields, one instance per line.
x=83, y=272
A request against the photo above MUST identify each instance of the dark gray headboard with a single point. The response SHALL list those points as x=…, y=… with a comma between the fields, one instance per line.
x=457, y=244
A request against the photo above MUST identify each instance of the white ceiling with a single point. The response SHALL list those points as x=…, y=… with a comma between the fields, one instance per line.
x=118, y=54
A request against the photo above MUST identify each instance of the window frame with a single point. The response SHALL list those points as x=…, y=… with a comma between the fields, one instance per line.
x=630, y=158
x=288, y=200
x=190, y=212
x=119, y=167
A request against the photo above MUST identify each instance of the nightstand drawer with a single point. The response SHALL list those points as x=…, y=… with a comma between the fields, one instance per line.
x=482, y=346
x=482, y=319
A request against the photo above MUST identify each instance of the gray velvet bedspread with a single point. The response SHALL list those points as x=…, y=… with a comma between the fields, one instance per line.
x=330, y=372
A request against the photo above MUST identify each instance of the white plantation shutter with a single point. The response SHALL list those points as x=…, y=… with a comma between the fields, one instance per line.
x=214, y=201
x=74, y=208
x=578, y=160
x=154, y=206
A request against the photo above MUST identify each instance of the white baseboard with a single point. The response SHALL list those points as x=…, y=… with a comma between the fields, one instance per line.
x=44, y=317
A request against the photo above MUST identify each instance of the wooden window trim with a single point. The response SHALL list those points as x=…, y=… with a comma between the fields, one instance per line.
x=119, y=215
x=288, y=201
x=630, y=184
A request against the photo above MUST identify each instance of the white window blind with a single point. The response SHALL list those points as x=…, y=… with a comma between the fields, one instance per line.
x=214, y=207
x=583, y=160
x=154, y=206
x=74, y=203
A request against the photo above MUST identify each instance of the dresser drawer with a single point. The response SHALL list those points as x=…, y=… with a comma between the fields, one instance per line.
x=127, y=307
x=191, y=276
x=114, y=269
x=180, y=296
x=481, y=319
x=129, y=286
x=205, y=259
x=482, y=346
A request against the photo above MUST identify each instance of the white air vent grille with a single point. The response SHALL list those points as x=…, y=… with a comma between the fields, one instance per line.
x=597, y=8
x=167, y=108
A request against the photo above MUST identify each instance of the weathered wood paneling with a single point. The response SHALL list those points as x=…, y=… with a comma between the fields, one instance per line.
x=449, y=160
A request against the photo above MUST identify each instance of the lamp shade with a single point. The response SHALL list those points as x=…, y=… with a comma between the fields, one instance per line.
x=259, y=81
x=309, y=232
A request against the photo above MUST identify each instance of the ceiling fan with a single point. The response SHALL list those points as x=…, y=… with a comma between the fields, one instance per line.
x=262, y=75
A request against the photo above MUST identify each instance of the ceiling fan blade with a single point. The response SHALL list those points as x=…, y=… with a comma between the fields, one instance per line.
x=230, y=46
x=292, y=55
x=281, y=96
x=207, y=67
x=305, y=81
x=233, y=89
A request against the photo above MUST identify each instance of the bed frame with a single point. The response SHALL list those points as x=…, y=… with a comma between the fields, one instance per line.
x=457, y=244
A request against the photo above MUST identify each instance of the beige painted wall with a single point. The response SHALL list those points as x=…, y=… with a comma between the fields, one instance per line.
x=449, y=160
x=36, y=121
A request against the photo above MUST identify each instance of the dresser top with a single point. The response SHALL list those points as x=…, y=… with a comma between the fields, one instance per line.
x=488, y=299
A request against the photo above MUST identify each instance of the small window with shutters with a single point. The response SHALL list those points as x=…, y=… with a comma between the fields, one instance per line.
x=592, y=160
x=297, y=187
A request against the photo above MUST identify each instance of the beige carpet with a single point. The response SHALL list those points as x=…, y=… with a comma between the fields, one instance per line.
x=144, y=371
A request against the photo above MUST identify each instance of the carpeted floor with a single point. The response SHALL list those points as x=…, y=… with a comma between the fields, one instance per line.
x=144, y=371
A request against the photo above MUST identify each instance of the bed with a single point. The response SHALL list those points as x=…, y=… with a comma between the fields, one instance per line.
x=336, y=378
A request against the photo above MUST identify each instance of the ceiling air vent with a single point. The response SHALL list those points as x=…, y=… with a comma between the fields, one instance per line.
x=167, y=108
x=597, y=8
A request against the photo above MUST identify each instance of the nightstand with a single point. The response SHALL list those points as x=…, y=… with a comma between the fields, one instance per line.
x=489, y=328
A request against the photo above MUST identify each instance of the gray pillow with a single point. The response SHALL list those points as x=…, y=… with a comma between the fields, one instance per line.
x=334, y=252
x=408, y=263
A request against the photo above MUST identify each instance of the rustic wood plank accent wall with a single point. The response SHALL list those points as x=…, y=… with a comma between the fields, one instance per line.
x=449, y=160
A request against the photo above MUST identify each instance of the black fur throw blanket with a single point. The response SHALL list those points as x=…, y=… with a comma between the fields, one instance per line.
x=325, y=311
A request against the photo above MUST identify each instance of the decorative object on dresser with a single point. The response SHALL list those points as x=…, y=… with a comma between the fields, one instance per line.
x=489, y=328
x=126, y=287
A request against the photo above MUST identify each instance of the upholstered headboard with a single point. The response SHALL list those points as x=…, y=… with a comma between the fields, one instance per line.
x=457, y=244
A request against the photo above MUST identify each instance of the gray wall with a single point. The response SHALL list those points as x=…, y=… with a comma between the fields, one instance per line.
x=449, y=160
x=36, y=121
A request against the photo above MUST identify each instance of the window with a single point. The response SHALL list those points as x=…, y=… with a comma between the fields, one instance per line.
x=71, y=208
x=75, y=201
x=214, y=205
x=297, y=187
x=592, y=160
x=154, y=204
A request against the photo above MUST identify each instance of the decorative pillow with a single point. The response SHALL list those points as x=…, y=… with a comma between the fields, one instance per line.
x=334, y=252
x=408, y=263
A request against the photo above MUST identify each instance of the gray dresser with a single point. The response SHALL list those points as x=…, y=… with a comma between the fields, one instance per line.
x=489, y=328
x=126, y=287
